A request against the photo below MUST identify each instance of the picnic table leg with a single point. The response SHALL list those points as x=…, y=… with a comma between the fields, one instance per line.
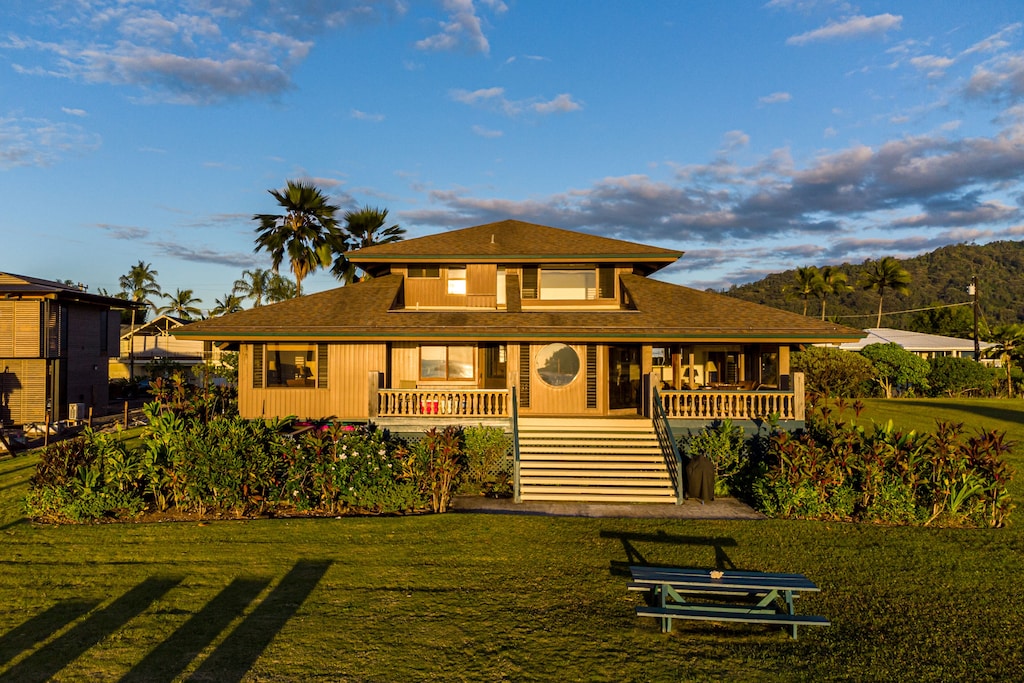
x=666, y=622
x=791, y=609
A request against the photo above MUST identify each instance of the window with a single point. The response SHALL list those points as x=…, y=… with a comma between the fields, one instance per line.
x=457, y=280
x=447, y=362
x=293, y=365
x=568, y=284
x=558, y=364
x=501, y=286
x=425, y=272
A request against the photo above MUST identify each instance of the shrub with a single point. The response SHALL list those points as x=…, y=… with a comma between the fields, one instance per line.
x=722, y=443
x=948, y=376
x=829, y=371
x=897, y=369
x=488, y=467
x=436, y=463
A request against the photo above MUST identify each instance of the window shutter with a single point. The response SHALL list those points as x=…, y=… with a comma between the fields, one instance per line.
x=529, y=282
x=591, y=375
x=257, y=366
x=524, y=375
x=321, y=366
x=606, y=282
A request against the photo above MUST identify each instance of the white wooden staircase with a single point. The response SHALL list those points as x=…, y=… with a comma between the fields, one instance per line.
x=592, y=460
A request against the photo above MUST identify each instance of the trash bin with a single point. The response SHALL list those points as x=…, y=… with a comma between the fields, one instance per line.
x=700, y=478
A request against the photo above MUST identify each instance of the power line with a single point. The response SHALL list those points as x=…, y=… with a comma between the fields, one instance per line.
x=908, y=310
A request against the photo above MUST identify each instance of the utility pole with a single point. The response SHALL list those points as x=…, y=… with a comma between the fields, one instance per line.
x=973, y=290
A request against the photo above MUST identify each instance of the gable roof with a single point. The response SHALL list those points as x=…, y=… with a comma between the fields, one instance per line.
x=514, y=241
x=913, y=341
x=663, y=312
x=14, y=286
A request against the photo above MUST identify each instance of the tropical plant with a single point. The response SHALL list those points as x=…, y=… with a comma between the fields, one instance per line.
x=253, y=285
x=808, y=283
x=182, y=305
x=833, y=281
x=950, y=376
x=364, y=228
x=307, y=233
x=138, y=285
x=229, y=303
x=1009, y=347
x=280, y=288
x=882, y=275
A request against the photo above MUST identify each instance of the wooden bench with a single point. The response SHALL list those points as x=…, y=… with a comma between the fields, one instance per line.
x=771, y=597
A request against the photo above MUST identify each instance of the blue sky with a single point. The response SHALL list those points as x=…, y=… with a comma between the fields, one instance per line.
x=754, y=136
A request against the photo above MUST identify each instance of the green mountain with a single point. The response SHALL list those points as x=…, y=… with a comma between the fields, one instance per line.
x=938, y=278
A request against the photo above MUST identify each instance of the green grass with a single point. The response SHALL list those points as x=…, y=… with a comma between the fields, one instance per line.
x=500, y=597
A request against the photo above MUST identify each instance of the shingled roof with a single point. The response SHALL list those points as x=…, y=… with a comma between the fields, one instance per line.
x=664, y=312
x=15, y=286
x=513, y=242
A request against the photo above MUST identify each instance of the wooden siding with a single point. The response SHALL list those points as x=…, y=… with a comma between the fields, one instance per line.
x=346, y=398
x=20, y=329
x=86, y=364
x=23, y=386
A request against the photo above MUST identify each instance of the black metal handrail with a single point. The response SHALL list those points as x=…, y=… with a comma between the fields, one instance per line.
x=669, y=447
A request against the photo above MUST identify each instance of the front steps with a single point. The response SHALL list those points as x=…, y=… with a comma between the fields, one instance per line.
x=592, y=460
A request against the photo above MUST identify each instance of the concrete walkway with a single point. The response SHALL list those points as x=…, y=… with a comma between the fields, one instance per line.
x=722, y=508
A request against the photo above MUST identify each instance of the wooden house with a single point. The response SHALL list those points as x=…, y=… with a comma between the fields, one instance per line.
x=523, y=325
x=55, y=344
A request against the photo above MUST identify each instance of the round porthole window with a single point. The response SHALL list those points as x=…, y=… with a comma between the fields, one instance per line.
x=557, y=364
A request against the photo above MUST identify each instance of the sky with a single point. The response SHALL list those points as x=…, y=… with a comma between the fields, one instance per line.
x=754, y=136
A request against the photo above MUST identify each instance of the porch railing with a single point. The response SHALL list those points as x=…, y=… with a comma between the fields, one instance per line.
x=451, y=402
x=709, y=404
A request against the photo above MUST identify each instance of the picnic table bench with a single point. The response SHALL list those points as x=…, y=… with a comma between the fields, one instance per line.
x=766, y=598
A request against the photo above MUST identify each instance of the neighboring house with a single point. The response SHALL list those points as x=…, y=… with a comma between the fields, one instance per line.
x=520, y=325
x=154, y=341
x=55, y=345
x=926, y=346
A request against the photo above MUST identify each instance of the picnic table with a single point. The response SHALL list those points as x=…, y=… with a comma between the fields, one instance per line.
x=701, y=594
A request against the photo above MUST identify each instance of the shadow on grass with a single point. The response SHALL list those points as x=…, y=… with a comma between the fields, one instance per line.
x=45, y=662
x=986, y=411
x=173, y=655
x=26, y=466
x=239, y=651
x=635, y=557
x=42, y=626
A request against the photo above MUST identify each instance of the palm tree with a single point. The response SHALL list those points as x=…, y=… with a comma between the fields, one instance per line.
x=253, y=285
x=833, y=281
x=181, y=305
x=364, y=228
x=139, y=285
x=808, y=283
x=229, y=303
x=1009, y=346
x=280, y=288
x=307, y=233
x=886, y=273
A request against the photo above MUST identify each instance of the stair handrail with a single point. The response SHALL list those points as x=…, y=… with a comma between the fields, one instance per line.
x=514, y=411
x=669, y=447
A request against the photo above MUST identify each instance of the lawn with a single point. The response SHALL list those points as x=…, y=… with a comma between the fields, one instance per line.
x=501, y=597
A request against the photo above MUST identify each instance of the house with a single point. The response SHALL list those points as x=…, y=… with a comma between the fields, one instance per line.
x=55, y=344
x=523, y=325
x=926, y=346
x=154, y=342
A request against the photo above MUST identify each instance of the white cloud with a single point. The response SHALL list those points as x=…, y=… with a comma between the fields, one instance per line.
x=462, y=29
x=74, y=112
x=39, y=142
x=561, y=104
x=364, y=116
x=486, y=132
x=775, y=98
x=851, y=27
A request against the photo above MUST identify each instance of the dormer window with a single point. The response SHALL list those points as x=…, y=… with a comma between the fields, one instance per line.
x=568, y=283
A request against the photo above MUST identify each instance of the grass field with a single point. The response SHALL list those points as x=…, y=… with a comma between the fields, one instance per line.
x=502, y=597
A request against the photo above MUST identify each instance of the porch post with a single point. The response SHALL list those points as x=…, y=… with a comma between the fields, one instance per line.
x=799, y=397
x=375, y=380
